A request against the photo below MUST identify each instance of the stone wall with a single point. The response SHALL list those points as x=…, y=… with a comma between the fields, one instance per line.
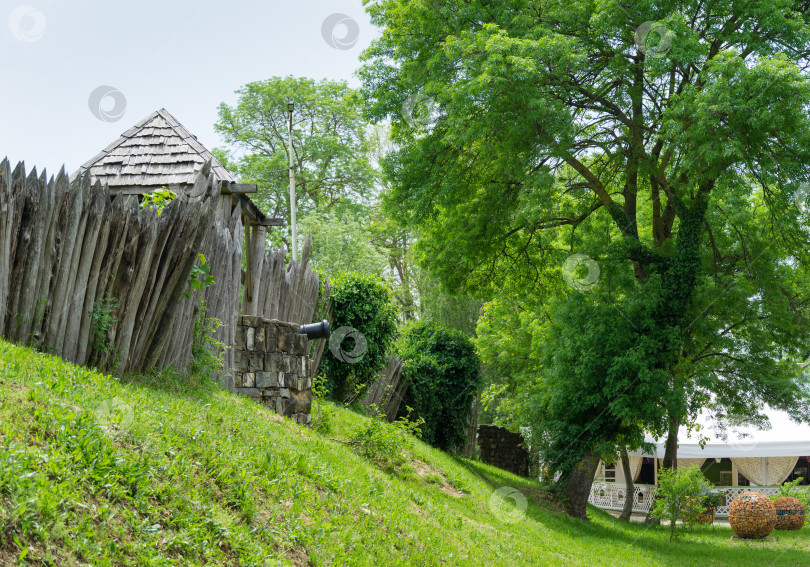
x=272, y=365
x=503, y=449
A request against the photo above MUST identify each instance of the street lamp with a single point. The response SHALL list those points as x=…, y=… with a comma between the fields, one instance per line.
x=290, y=108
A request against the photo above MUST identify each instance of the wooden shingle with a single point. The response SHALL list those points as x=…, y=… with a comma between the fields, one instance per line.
x=157, y=151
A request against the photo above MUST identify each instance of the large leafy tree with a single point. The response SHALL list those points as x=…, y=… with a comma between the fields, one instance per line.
x=333, y=147
x=668, y=141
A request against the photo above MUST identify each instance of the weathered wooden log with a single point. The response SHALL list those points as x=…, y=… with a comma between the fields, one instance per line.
x=71, y=214
x=6, y=225
x=25, y=207
x=97, y=200
x=29, y=306
x=177, y=281
x=94, y=276
x=51, y=252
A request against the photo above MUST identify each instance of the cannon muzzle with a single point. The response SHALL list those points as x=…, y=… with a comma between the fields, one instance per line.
x=316, y=330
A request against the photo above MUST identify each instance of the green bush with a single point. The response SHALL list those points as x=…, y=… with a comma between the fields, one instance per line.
x=680, y=496
x=793, y=489
x=206, y=350
x=322, y=413
x=386, y=443
x=102, y=319
x=442, y=369
x=362, y=302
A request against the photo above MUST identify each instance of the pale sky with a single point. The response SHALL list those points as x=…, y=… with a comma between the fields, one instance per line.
x=185, y=56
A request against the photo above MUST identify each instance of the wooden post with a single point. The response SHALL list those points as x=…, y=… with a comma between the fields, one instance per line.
x=248, y=279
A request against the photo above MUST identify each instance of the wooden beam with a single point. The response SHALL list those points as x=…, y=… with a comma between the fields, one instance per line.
x=242, y=188
x=252, y=215
x=269, y=222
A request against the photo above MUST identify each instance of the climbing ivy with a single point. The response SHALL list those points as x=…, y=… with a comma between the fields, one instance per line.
x=362, y=303
x=442, y=369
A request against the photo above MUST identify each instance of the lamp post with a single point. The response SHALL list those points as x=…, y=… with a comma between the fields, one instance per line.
x=290, y=108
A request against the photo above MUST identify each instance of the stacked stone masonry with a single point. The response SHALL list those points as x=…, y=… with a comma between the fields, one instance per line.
x=503, y=449
x=272, y=366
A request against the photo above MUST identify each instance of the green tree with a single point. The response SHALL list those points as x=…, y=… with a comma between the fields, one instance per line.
x=680, y=496
x=332, y=149
x=669, y=141
x=342, y=242
x=454, y=311
x=362, y=305
x=442, y=371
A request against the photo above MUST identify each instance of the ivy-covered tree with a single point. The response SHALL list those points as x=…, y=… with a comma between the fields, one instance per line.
x=363, y=308
x=441, y=368
x=666, y=143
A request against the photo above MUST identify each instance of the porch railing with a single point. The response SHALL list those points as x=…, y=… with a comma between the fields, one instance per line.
x=610, y=496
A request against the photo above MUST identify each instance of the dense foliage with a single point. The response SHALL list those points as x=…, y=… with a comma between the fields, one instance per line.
x=671, y=163
x=362, y=303
x=332, y=148
x=442, y=370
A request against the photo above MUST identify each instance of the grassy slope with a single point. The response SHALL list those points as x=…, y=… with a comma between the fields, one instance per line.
x=201, y=476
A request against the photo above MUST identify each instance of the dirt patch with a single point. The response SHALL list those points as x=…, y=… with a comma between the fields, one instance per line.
x=297, y=555
x=425, y=471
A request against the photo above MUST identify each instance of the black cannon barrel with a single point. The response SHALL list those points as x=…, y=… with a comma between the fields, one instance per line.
x=316, y=330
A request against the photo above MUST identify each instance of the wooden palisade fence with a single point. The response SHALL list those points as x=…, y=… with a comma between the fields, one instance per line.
x=222, y=248
x=66, y=247
x=276, y=289
x=388, y=389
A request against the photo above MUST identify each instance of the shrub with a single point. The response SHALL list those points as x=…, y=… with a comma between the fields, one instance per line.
x=442, y=369
x=363, y=303
x=206, y=350
x=680, y=496
x=385, y=442
x=322, y=413
x=793, y=489
x=712, y=500
x=158, y=199
x=101, y=321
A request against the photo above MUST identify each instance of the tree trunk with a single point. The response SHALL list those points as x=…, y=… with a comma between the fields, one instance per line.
x=670, y=458
x=630, y=491
x=578, y=487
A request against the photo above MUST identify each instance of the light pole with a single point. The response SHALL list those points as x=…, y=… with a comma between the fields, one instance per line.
x=290, y=108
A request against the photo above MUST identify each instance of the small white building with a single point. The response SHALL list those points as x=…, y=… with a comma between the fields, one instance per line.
x=746, y=457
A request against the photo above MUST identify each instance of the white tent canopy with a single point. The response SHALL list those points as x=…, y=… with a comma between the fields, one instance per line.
x=785, y=438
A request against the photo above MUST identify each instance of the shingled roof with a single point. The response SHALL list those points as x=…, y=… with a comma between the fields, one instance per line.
x=158, y=151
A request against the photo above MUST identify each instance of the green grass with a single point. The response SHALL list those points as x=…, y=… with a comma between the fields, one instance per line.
x=185, y=474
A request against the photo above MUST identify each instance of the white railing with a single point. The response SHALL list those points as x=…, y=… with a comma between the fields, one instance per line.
x=610, y=495
x=732, y=492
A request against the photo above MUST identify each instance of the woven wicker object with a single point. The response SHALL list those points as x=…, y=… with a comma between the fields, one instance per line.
x=752, y=515
x=789, y=513
x=706, y=517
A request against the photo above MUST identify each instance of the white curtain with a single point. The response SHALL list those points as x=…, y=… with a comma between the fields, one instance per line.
x=686, y=463
x=635, y=467
x=779, y=468
x=750, y=468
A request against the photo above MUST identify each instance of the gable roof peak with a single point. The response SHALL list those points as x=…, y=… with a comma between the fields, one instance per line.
x=157, y=151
